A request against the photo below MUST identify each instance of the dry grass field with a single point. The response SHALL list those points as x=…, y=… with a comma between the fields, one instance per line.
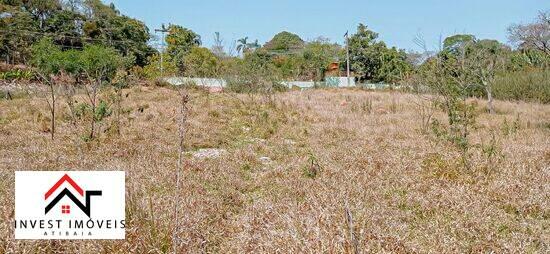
x=291, y=173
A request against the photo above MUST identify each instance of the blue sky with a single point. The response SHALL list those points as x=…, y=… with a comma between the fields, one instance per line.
x=397, y=22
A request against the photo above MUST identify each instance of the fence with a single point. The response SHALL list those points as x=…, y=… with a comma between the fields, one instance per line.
x=215, y=84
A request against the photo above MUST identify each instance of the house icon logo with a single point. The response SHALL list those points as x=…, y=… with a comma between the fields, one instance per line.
x=65, y=209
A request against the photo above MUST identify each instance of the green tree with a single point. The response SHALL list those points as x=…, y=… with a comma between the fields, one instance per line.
x=41, y=10
x=106, y=26
x=99, y=65
x=317, y=55
x=486, y=59
x=256, y=72
x=394, y=65
x=291, y=67
x=180, y=41
x=65, y=25
x=527, y=59
x=455, y=44
x=371, y=60
x=451, y=79
x=48, y=61
x=480, y=61
x=285, y=42
x=18, y=33
x=201, y=62
x=70, y=25
x=244, y=46
x=24, y=22
x=153, y=71
x=365, y=53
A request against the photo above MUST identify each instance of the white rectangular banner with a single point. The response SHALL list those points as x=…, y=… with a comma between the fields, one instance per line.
x=69, y=205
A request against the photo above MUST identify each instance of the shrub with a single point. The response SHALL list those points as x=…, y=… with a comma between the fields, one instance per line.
x=255, y=73
x=102, y=111
x=17, y=75
x=532, y=85
x=153, y=71
x=84, y=111
x=201, y=62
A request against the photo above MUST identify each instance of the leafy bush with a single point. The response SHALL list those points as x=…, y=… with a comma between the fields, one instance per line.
x=152, y=70
x=81, y=110
x=17, y=75
x=255, y=73
x=201, y=62
x=102, y=111
x=533, y=85
x=84, y=111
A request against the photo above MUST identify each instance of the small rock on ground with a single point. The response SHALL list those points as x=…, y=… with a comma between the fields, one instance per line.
x=265, y=160
x=209, y=153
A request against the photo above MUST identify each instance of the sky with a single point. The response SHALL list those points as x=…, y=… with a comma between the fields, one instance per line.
x=397, y=22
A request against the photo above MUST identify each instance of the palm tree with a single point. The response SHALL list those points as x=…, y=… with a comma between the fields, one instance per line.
x=243, y=44
x=254, y=45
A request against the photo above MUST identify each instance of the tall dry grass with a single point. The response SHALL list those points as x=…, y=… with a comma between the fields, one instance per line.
x=374, y=162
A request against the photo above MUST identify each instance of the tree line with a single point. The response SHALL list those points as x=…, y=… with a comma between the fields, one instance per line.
x=71, y=24
x=250, y=66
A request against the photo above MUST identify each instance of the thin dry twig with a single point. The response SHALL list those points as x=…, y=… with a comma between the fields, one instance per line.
x=181, y=133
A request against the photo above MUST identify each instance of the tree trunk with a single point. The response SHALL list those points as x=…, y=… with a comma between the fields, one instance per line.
x=489, y=98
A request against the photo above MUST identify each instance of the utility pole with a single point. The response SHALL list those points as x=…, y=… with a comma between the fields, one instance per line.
x=347, y=55
x=162, y=30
